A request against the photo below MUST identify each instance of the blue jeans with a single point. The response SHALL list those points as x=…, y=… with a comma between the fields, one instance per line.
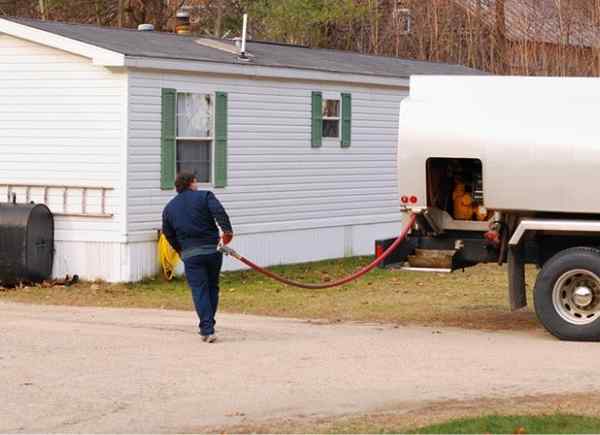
x=202, y=274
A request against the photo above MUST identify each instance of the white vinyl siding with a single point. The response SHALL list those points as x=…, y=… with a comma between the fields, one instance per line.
x=67, y=121
x=62, y=123
x=276, y=182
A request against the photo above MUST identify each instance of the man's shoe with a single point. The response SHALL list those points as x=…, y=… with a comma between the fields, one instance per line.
x=210, y=338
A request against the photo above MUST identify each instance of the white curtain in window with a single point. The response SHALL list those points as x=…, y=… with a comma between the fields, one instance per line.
x=331, y=108
x=194, y=115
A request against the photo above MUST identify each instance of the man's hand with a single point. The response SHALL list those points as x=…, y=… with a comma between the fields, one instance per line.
x=226, y=238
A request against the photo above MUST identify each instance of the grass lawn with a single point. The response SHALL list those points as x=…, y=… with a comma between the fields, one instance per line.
x=490, y=424
x=549, y=413
x=552, y=424
x=476, y=298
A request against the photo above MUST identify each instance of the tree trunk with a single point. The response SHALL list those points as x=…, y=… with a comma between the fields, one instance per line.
x=501, y=37
x=43, y=11
x=121, y=13
x=98, y=9
x=219, y=19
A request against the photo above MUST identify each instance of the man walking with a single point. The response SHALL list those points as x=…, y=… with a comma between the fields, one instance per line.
x=190, y=225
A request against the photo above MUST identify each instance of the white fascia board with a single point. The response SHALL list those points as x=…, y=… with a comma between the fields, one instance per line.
x=259, y=71
x=99, y=56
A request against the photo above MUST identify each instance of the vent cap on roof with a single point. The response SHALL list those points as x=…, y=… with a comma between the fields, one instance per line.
x=145, y=28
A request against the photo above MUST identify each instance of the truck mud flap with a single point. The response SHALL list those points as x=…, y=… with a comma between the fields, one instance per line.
x=517, y=294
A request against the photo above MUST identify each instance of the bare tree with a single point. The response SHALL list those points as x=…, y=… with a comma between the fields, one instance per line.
x=43, y=10
x=219, y=18
x=533, y=37
x=501, y=36
x=8, y=7
x=98, y=6
x=157, y=12
x=120, y=13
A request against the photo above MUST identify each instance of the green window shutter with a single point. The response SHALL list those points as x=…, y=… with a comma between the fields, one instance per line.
x=317, y=119
x=167, y=138
x=346, y=120
x=220, y=139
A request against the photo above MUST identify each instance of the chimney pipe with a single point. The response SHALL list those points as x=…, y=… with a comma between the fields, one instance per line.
x=182, y=23
x=244, y=31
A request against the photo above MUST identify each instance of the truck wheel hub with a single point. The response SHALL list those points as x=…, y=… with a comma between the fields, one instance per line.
x=582, y=296
x=576, y=297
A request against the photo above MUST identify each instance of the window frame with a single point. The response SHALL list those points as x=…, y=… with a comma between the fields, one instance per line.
x=403, y=20
x=178, y=138
x=332, y=97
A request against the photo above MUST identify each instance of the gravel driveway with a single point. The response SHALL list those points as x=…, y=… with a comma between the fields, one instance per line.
x=66, y=369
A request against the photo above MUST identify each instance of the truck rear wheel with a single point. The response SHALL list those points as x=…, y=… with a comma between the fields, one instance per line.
x=567, y=294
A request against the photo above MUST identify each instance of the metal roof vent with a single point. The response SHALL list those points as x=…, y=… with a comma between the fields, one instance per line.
x=146, y=28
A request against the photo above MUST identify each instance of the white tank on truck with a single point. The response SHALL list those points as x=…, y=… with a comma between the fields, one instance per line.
x=507, y=170
x=537, y=139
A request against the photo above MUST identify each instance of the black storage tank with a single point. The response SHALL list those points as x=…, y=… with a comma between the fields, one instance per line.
x=26, y=243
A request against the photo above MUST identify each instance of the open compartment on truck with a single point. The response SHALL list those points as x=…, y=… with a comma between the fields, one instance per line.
x=450, y=231
x=455, y=186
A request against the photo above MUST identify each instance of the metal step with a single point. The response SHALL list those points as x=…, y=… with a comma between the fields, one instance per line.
x=432, y=259
x=425, y=269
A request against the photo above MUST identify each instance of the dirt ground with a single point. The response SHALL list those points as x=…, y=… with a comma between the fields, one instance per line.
x=73, y=369
x=474, y=299
x=405, y=417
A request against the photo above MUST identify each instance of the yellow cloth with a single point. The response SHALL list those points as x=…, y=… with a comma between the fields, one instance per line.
x=167, y=257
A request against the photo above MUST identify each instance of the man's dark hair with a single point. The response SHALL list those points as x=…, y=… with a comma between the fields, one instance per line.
x=183, y=181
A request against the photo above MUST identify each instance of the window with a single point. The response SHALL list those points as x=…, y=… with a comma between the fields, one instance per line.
x=403, y=20
x=331, y=118
x=195, y=134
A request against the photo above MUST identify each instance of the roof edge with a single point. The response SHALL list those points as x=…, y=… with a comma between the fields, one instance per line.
x=263, y=71
x=99, y=56
x=106, y=56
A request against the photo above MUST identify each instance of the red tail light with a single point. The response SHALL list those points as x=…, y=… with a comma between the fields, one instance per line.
x=413, y=199
x=378, y=250
x=404, y=200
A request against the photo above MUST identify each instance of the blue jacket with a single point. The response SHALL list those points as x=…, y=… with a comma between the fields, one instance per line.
x=189, y=220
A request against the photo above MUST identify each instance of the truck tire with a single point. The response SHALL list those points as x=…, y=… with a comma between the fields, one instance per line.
x=567, y=294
